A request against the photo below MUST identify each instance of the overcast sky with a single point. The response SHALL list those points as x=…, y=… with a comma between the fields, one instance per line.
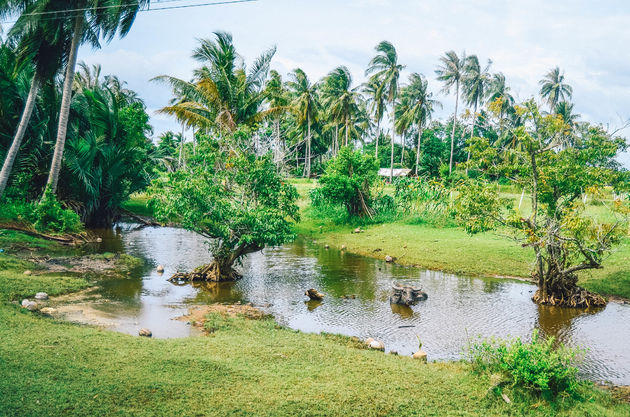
x=588, y=39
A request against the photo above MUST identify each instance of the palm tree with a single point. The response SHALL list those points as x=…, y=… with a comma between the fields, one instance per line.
x=277, y=97
x=384, y=70
x=341, y=99
x=475, y=86
x=565, y=110
x=91, y=22
x=376, y=107
x=451, y=73
x=416, y=108
x=306, y=107
x=499, y=93
x=223, y=93
x=42, y=41
x=553, y=88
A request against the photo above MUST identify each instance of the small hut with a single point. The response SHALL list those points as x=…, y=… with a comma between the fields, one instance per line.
x=398, y=172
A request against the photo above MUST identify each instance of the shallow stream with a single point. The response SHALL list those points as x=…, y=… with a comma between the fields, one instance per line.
x=458, y=308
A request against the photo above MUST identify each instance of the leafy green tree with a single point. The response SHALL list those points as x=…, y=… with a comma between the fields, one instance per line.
x=554, y=89
x=415, y=109
x=342, y=99
x=564, y=239
x=306, y=106
x=384, y=71
x=348, y=181
x=237, y=201
x=108, y=156
x=451, y=73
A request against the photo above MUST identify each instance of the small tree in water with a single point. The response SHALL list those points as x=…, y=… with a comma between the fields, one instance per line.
x=565, y=239
x=237, y=201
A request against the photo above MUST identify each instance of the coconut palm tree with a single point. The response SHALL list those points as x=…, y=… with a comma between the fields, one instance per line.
x=341, y=99
x=451, y=73
x=475, y=88
x=276, y=96
x=224, y=93
x=305, y=105
x=376, y=107
x=384, y=71
x=499, y=93
x=91, y=22
x=42, y=42
x=415, y=109
x=554, y=89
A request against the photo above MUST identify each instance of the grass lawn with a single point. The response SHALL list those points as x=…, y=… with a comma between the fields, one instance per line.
x=247, y=367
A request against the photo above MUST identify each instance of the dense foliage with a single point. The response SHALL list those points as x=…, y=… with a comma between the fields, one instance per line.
x=237, y=200
x=348, y=181
x=564, y=239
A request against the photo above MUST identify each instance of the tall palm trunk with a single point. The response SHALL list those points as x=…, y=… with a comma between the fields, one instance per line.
x=418, y=150
x=391, y=168
x=347, y=127
x=66, y=98
x=402, y=152
x=378, y=136
x=336, y=143
x=450, y=164
x=472, y=134
x=308, y=146
x=19, y=134
x=181, y=149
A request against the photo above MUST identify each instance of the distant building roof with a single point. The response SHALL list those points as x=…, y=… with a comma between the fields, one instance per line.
x=398, y=172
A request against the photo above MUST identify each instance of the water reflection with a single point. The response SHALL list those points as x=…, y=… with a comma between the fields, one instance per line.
x=457, y=309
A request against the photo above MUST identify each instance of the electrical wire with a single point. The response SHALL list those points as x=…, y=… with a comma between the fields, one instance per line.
x=67, y=14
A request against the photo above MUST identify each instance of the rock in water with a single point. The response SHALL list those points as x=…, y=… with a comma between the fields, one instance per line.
x=145, y=333
x=389, y=259
x=160, y=269
x=377, y=344
x=313, y=294
x=41, y=296
x=422, y=355
x=29, y=305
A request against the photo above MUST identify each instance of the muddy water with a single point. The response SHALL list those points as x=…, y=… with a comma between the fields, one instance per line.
x=457, y=309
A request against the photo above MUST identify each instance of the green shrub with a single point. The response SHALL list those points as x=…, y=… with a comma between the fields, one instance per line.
x=537, y=367
x=49, y=216
x=427, y=201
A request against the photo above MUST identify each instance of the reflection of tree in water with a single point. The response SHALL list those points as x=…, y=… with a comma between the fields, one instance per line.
x=557, y=321
x=216, y=292
x=342, y=273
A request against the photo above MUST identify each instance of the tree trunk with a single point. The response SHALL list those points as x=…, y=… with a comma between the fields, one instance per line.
x=418, y=150
x=308, y=147
x=450, y=164
x=378, y=135
x=336, y=141
x=346, y=132
x=181, y=149
x=19, y=134
x=66, y=99
x=472, y=133
x=391, y=169
x=402, y=150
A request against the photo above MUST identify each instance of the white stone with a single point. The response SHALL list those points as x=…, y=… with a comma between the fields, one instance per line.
x=377, y=344
x=160, y=269
x=29, y=305
x=27, y=272
x=145, y=333
x=422, y=355
x=389, y=259
x=41, y=296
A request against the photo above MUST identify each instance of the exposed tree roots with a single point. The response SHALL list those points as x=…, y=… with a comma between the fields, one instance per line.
x=577, y=297
x=210, y=272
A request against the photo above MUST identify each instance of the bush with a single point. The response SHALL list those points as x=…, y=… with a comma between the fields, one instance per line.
x=427, y=200
x=537, y=367
x=49, y=216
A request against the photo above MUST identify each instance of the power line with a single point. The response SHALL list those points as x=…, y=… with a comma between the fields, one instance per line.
x=73, y=12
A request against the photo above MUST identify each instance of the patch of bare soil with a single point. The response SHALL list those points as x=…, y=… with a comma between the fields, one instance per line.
x=83, y=264
x=197, y=314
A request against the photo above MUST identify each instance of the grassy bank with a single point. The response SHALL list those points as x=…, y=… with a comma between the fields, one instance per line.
x=451, y=249
x=247, y=367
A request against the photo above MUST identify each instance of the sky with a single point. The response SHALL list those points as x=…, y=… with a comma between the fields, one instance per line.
x=524, y=39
